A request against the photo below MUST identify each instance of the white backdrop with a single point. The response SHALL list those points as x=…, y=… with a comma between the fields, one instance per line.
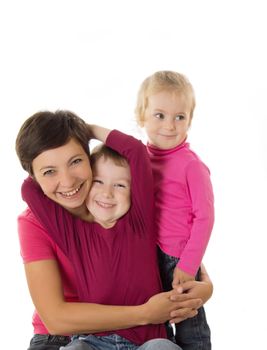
x=90, y=57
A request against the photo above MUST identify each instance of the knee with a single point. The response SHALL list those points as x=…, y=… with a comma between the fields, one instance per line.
x=77, y=345
x=161, y=344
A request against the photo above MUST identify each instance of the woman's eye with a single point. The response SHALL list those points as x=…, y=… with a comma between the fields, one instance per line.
x=76, y=161
x=48, y=172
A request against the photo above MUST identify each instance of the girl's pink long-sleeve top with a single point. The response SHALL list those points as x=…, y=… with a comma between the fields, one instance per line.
x=184, y=204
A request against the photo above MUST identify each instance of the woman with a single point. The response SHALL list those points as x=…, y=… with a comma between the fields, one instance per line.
x=50, y=275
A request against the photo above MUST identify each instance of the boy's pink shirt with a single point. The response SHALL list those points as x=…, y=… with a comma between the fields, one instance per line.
x=184, y=204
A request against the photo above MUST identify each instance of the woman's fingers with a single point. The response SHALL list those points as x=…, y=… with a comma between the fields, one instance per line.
x=182, y=314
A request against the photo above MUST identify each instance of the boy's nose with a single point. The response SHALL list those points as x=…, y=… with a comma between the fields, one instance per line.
x=108, y=191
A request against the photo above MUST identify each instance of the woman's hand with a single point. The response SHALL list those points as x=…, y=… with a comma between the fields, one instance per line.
x=174, y=305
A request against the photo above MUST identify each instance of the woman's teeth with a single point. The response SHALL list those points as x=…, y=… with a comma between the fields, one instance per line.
x=71, y=193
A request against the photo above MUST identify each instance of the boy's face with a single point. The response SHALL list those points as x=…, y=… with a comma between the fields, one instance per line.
x=65, y=175
x=167, y=119
x=110, y=195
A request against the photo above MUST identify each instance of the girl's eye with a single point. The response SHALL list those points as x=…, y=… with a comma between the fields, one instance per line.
x=180, y=117
x=49, y=172
x=159, y=115
x=97, y=181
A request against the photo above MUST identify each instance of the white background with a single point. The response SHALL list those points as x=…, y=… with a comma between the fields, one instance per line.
x=90, y=57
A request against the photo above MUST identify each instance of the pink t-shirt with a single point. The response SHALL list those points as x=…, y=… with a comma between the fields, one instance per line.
x=184, y=204
x=36, y=244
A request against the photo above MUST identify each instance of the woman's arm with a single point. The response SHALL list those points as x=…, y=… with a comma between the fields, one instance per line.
x=61, y=317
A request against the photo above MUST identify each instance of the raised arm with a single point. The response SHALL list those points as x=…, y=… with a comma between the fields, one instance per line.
x=142, y=189
x=98, y=132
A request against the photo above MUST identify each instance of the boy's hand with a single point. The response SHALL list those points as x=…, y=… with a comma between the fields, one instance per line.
x=180, y=276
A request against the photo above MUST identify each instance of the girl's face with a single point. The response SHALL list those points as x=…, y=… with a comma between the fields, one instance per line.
x=167, y=119
x=64, y=174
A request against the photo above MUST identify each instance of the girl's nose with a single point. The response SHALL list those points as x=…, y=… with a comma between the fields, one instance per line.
x=169, y=124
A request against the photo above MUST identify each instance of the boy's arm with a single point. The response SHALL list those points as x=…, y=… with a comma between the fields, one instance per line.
x=142, y=189
x=56, y=220
x=201, y=193
x=98, y=132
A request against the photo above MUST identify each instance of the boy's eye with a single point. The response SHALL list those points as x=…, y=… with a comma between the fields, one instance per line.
x=159, y=115
x=179, y=117
x=120, y=185
x=97, y=181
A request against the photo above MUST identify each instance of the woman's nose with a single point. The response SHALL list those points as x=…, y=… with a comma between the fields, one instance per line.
x=66, y=179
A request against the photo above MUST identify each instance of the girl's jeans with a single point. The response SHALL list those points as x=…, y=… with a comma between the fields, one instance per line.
x=193, y=333
x=115, y=342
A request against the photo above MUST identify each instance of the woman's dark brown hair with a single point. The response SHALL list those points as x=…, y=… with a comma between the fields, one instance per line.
x=47, y=130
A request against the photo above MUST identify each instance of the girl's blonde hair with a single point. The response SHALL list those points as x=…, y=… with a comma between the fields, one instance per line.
x=163, y=81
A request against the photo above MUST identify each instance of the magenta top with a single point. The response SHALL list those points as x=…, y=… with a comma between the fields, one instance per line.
x=184, y=204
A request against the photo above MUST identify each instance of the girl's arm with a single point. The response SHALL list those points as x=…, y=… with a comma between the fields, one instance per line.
x=61, y=317
x=201, y=194
x=202, y=289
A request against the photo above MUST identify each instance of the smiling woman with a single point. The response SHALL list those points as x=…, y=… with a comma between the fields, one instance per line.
x=64, y=175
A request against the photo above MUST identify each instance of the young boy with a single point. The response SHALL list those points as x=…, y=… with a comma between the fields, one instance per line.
x=183, y=191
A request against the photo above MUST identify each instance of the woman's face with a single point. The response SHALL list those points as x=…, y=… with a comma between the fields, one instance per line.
x=64, y=174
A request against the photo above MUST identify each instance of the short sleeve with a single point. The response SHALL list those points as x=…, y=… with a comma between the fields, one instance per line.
x=35, y=244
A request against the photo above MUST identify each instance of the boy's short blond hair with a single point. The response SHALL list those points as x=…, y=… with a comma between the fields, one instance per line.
x=163, y=81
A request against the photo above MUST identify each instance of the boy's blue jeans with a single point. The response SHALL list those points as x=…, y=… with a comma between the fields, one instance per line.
x=115, y=342
x=193, y=333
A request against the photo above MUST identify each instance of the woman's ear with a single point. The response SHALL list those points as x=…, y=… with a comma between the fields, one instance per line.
x=32, y=177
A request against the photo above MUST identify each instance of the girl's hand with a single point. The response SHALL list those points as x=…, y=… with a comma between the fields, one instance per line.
x=180, y=276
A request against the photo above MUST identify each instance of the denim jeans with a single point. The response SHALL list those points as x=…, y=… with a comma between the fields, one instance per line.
x=115, y=342
x=48, y=342
x=193, y=333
